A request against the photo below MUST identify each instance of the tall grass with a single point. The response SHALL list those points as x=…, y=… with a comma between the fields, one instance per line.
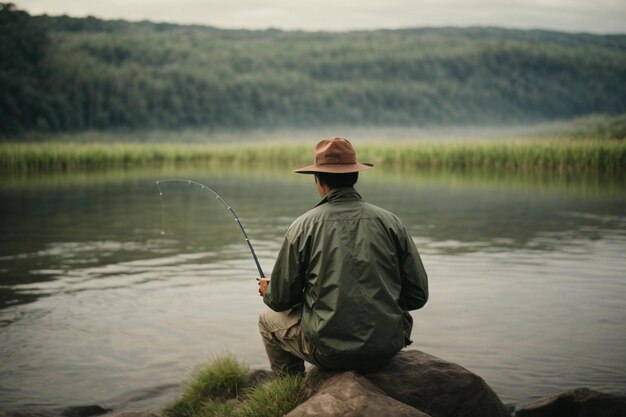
x=45, y=157
x=223, y=379
x=224, y=389
x=513, y=156
x=273, y=398
x=564, y=156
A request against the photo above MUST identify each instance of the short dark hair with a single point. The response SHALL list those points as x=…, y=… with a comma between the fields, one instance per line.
x=337, y=180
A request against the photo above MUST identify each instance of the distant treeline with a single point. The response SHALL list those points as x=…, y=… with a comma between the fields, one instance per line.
x=66, y=74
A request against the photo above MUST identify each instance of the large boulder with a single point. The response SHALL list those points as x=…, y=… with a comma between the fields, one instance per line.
x=580, y=402
x=437, y=387
x=429, y=384
x=349, y=394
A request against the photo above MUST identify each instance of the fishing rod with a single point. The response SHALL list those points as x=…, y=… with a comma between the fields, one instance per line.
x=219, y=197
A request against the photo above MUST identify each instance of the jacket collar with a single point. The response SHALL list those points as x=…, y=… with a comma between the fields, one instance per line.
x=340, y=194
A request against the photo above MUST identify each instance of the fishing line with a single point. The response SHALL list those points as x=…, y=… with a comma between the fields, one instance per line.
x=219, y=197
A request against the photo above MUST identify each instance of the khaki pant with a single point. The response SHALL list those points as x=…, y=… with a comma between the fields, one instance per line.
x=285, y=344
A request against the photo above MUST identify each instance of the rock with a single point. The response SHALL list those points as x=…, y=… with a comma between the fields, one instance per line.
x=510, y=408
x=431, y=385
x=351, y=395
x=258, y=376
x=25, y=413
x=580, y=402
x=437, y=387
x=84, y=411
x=136, y=414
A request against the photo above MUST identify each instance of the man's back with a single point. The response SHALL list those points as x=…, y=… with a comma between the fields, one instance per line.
x=356, y=271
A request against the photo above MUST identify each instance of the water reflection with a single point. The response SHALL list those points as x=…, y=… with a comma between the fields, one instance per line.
x=527, y=278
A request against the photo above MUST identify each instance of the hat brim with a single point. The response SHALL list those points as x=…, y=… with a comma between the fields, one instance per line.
x=334, y=168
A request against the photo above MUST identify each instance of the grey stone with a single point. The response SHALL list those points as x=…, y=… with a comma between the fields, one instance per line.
x=259, y=376
x=351, y=395
x=136, y=414
x=26, y=413
x=84, y=411
x=580, y=402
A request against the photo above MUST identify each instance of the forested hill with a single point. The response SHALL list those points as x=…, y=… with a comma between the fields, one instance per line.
x=61, y=73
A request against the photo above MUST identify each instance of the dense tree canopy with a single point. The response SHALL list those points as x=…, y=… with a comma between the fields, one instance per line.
x=23, y=47
x=63, y=73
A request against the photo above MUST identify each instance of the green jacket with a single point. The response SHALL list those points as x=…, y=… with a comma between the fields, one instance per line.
x=356, y=272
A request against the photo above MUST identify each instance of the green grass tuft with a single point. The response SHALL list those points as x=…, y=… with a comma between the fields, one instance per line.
x=273, y=398
x=212, y=408
x=223, y=379
x=220, y=390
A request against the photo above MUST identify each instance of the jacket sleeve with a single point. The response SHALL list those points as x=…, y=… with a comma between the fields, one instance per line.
x=286, y=283
x=414, y=292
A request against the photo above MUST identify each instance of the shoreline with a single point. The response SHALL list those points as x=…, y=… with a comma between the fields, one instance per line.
x=105, y=409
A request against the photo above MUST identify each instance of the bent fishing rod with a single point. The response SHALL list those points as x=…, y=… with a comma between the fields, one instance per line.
x=228, y=207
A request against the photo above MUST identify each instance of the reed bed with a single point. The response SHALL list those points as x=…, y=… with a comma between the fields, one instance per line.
x=563, y=156
x=521, y=156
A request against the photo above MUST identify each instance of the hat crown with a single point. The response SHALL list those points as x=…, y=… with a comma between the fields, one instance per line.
x=334, y=151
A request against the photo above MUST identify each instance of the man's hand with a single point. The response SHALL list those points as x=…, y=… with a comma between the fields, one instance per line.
x=263, y=282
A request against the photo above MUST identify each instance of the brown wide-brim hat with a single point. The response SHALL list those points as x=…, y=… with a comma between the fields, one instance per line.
x=334, y=156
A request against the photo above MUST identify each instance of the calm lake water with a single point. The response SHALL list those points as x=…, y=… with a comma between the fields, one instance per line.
x=527, y=277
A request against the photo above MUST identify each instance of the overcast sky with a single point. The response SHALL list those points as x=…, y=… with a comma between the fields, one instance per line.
x=597, y=16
